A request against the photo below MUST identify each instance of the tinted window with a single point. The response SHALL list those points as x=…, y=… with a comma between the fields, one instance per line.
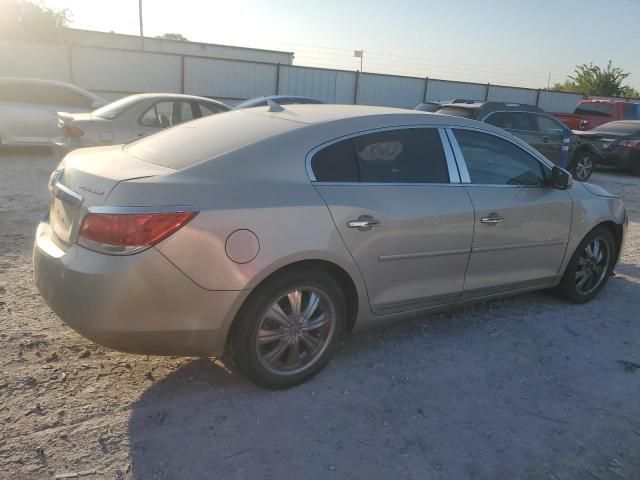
x=513, y=121
x=494, y=161
x=628, y=111
x=395, y=156
x=457, y=112
x=549, y=125
x=598, y=109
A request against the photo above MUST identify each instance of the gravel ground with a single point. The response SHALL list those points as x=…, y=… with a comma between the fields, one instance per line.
x=528, y=387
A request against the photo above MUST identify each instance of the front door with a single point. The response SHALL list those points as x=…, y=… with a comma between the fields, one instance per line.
x=521, y=225
x=407, y=227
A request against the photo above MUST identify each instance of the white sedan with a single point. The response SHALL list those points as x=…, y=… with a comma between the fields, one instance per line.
x=132, y=117
x=29, y=108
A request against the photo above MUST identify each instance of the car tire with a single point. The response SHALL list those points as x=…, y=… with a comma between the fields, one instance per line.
x=279, y=339
x=582, y=166
x=586, y=275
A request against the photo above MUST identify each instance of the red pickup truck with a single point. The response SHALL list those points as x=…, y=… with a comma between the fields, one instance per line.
x=591, y=113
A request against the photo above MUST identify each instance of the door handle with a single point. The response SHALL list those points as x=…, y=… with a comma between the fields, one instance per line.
x=492, y=219
x=364, y=223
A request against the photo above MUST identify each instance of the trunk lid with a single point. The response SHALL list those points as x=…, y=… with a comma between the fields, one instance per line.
x=84, y=179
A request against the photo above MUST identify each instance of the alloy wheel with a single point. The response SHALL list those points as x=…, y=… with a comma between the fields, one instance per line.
x=592, y=266
x=584, y=167
x=295, y=330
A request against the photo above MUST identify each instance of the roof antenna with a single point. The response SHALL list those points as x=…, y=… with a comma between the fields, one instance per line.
x=274, y=106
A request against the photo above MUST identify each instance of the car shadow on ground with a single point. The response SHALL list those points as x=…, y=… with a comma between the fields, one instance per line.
x=514, y=388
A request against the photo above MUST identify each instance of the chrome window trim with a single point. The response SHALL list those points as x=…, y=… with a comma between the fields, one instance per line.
x=464, y=172
x=451, y=168
x=105, y=209
x=564, y=131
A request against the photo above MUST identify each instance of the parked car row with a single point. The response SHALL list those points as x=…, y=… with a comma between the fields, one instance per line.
x=43, y=112
x=592, y=113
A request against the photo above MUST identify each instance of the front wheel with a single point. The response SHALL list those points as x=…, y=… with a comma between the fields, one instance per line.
x=289, y=328
x=582, y=166
x=590, y=266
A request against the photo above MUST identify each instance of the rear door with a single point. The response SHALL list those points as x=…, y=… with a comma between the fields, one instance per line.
x=396, y=201
x=521, y=226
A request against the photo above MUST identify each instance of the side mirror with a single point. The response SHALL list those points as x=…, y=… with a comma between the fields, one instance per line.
x=560, y=178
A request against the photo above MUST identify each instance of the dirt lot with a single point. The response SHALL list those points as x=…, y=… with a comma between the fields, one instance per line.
x=525, y=388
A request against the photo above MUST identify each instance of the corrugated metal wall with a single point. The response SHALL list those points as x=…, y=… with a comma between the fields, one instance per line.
x=99, y=69
x=114, y=73
x=390, y=91
x=228, y=79
x=332, y=86
x=442, y=90
x=512, y=94
x=558, y=101
x=20, y=59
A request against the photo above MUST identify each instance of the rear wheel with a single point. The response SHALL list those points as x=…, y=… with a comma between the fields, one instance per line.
x=590, y=267
x=582, y=166
x=289, y=328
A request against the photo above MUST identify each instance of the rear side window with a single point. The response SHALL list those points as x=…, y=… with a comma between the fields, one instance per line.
x=494, y=161
x=412, y=155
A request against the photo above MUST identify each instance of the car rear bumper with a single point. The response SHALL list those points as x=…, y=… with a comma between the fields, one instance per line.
x=138, y=304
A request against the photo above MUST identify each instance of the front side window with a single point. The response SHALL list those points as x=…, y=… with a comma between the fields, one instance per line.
x=494, y=161
x=513, y=121
x=187, y=112
x=412, y=155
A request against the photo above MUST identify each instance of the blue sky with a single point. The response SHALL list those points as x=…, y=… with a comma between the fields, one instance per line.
x=498, y=41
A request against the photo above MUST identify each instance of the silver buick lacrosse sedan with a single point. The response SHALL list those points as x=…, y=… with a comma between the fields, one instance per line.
x=267, y=233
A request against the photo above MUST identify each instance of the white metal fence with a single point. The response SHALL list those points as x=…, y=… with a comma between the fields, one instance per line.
x=114, y=73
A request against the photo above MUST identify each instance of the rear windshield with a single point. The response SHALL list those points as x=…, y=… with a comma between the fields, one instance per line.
x=112, y=110
x=457, y=112
x=619, y=128
x=205, y=138
x=598, y=109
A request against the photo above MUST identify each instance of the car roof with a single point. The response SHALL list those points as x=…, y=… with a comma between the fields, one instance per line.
x=173, y=95
x=42, y=81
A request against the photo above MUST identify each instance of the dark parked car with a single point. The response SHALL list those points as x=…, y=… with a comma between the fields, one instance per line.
x=539, y=129
x=619, y=144
x=279, y=99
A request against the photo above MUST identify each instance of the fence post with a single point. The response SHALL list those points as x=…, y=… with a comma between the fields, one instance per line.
x=486, y=92
x=426, y=86
x=278, y=79
x=355, y=88
x=70, y=57
x=538, y=98
x=182, y=74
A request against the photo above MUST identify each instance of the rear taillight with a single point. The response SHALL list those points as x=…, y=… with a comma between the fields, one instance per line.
x=630, y=144
x=127, y=233
x=71, y=131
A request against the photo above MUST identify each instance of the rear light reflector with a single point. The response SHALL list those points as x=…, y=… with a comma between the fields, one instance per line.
x=630, y=144
x=127, y=233
x=71, y=131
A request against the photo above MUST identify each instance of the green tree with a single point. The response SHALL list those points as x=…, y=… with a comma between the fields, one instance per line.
x=26, y=20
x=173, y=36
x=591, y=79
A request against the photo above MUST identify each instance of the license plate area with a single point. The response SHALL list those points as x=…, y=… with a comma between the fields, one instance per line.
x=62, y=218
